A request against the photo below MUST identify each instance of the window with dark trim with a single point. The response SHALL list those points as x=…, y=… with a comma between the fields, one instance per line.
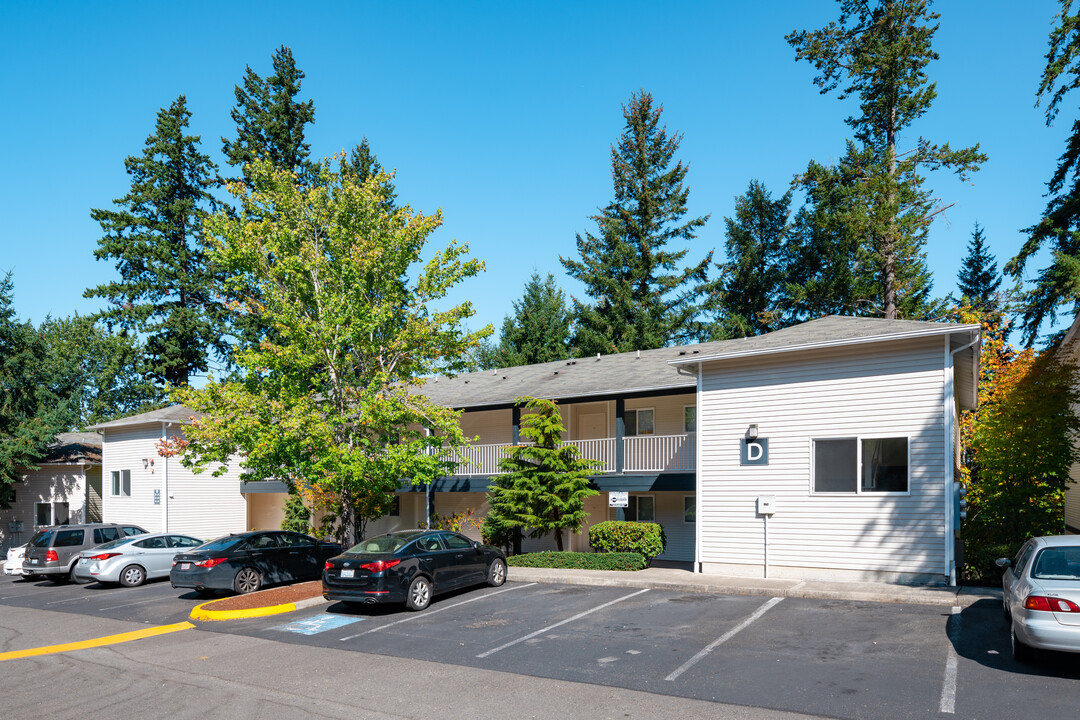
x=640, y=421
x=867, y=465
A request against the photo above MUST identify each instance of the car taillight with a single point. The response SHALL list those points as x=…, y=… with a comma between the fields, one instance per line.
x=379, y=565
x=104, y=556
x=51, y=556
x=329, y=565
x=209, y=563
x=1050, y=604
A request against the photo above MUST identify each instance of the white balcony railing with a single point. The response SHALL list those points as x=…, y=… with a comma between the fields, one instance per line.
x=646, y=453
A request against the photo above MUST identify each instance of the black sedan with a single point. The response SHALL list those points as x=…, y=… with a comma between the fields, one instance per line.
x=411, y=566
x=244, y=562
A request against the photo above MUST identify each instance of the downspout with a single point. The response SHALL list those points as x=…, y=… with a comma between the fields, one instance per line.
x=165, y=480
x=698, y=443
x=949, y=409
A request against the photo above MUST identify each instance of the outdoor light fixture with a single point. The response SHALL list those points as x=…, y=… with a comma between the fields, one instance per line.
x=751, y=432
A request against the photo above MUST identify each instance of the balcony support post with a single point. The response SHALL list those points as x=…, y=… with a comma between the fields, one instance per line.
x=515, y=431
x=620, y=432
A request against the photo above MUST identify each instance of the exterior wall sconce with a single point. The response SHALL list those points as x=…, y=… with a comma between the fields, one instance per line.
x=752, y=432
x=148, y=463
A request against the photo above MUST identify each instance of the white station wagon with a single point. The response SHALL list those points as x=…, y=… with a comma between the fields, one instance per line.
x=1042, y=595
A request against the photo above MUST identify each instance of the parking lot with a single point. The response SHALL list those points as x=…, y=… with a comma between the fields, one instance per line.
x=834, y=658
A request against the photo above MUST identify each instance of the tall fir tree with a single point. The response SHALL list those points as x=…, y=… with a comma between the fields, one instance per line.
x=539, y=329
x=35, y=403
x=363, y=162
x=270, y=120
x=643, y=298
x=979, y=280
x=833, y=264
x=166, y=288
x=1058, y=284
x=752, y=276
x=878, y=53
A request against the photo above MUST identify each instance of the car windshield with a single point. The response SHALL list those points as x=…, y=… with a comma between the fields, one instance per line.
x=384, y=544
x=41, y=538
x=1057, y=563
x=113, y=543
x=218, y=544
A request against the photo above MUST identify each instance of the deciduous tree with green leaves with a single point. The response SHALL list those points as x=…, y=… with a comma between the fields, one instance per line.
x=643, y=297
x=539, y=329
x=329, y=399
x=546, y=480
x=166, y=290
x=878, y=52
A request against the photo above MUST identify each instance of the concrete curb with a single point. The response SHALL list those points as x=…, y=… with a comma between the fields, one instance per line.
x=201, y=612
x=682, y=581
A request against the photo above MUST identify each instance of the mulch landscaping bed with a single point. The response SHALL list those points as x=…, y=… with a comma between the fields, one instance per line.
x=271, y=596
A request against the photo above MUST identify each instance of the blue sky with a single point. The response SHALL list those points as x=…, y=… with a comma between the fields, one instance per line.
x=500, y=114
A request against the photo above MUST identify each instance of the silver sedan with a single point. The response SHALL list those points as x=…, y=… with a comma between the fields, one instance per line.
x=132, y=561
x=1042, y=595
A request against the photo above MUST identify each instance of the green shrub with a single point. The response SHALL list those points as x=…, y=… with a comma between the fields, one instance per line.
x=979, y=565
x=579, y=560
x=621, y=536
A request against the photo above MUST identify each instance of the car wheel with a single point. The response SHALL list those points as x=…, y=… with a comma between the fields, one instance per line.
x=60, y=579
x=247, y=581
x=132, y=576
x=1021, y=652
x=419, y=595
x=497, y=572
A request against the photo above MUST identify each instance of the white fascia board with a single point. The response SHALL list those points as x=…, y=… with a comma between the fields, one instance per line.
x=826, y=344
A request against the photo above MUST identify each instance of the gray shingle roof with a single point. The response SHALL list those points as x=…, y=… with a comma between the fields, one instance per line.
x=173, y=413
x=74, y=448
x=657, y=371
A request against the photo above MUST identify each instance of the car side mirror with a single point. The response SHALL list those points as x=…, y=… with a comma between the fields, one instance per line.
x=1003, y=563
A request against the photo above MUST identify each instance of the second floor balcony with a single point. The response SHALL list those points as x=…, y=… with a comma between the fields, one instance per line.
x=642, y=453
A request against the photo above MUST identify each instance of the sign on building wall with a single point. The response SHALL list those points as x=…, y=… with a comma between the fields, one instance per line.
x=618, y=499
x=754, y=452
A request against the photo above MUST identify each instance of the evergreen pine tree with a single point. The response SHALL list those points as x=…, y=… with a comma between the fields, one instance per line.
x=166, y=287
x=35, y=404
x=1058, y=284
x=642, y=298
x=979, y=280
x=363, y=162
x=270, y=120
x=539, y=329
x=546, y=481
x=879, y=52
x=752, y=276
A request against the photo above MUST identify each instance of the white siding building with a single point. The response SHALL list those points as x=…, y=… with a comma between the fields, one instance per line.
x=848, y=424
x=141, y=486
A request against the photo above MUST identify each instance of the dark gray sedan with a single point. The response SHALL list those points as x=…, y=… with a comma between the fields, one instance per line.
x=245, y=562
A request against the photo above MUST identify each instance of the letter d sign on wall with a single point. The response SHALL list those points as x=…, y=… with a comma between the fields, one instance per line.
x=754, y=452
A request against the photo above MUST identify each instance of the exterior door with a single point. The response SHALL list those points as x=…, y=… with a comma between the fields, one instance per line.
x=592, y=426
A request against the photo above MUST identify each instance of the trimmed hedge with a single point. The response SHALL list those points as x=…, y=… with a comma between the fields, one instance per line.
x=579, y=560
x=622, y=536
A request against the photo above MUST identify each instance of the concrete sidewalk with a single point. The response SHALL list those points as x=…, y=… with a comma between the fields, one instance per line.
x=687, y=581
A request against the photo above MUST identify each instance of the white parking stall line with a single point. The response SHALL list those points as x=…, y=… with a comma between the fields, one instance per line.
x=948, y=686
x=724, y=638
x=437, y=610
x=562, y=622
x=76, y=599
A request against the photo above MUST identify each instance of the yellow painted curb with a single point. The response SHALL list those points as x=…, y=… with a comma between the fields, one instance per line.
x=200, y=612
x=96, y=642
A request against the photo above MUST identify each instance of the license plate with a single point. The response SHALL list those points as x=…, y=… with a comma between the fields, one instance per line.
x=84, y=561
x=185, y=566
x=347, y=573
x=33, y=561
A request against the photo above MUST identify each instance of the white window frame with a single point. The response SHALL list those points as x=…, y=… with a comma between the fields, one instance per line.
x=637, y=422
x=52, y=513
x=685, y=408
x=859, y=466
x=684, y=499
x=120, y=481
